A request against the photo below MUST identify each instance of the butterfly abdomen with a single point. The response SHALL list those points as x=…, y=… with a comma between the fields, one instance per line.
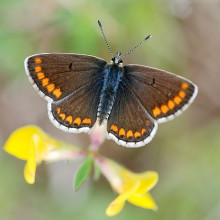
x=112, y=78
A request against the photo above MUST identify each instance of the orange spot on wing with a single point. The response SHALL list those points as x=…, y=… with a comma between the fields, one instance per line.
x=58, y=110
x=87, y=121
x=121, y=132
x=62, y=115
x=38, y=60
x=50, y=87
x=156, y=111
x=57, y=93
x=69, y=119
x=114, y=128
x=143, y=131
x=184, y=86
x=164, y=108
x=77, y=121
x=40, y=75
x=177, y=100
x=37, y=68
x=137, y=134
x=171, y=104
x=130, y=134
x=45, y=81
x=182, y=94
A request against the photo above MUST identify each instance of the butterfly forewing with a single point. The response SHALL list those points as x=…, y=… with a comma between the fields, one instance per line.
x=163, y=94
x=58, y=75
x=128, y=123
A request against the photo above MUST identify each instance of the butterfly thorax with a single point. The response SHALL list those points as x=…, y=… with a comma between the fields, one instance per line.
x=112, y=76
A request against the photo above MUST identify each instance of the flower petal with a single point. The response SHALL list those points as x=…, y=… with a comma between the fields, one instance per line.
x=32, y=144
x=115, y=207
x=147, y=181
x=30, y=167
x=47, y=148
x=143, y=200
x=117, y=204
x=18, y=144
x=97, y=135
x=30, y=170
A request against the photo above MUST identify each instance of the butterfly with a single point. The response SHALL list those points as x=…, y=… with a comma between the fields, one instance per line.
x=132, y=99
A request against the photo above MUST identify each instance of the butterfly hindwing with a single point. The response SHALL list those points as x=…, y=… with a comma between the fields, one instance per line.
x=128, y=123
x=57, y=75
x=78, y=111
x=163, y=94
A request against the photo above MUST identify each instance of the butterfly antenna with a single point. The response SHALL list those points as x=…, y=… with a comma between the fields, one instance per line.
x=100, y=26
x=145, y=39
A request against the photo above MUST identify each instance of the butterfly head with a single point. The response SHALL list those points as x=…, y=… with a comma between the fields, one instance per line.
x=117, y=59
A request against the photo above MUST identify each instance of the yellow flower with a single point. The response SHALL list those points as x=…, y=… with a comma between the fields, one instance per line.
x=30, y=143
x=133, y=187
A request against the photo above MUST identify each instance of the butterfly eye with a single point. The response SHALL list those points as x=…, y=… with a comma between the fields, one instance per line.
x=113, y=59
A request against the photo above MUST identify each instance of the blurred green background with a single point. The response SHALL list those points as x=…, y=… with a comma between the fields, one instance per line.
x=185, y=152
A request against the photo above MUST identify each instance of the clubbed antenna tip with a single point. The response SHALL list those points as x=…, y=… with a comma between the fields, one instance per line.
x=100, y=25
x=149, y=36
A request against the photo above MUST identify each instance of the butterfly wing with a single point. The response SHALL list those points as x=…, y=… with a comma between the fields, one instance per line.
x=145, y=97
x=162, y=94
x=76, y=112
x=71, y=83
x=129, y=124
x=56, y=75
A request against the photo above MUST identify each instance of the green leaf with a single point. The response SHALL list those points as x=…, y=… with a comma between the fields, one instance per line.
x=97, y=171
x=83, y=172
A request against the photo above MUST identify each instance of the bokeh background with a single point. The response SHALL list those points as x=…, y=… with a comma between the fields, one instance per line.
x=185, y=152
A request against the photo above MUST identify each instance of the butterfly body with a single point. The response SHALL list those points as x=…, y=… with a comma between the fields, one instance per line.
x=112, y=77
